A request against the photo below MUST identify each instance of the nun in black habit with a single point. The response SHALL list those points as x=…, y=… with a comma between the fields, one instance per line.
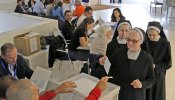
x=119, y=37
x=132, y=68
x=160, y=50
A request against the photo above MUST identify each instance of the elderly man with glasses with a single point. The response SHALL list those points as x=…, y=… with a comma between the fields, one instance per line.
x=13, y=64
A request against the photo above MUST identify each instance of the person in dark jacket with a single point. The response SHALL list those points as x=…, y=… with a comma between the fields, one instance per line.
x=68, y=27
x=80, y=39
x=117, y=15
x=31, y=3
x=56, y=43
x=13, y=64
x=19, y=8
x=160, y=50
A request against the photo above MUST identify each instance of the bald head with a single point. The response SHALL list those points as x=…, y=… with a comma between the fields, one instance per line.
x=22, y=89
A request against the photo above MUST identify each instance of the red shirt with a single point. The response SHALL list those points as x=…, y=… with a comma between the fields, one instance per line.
x=79, y=11
x=49, y=95
x=94, y=94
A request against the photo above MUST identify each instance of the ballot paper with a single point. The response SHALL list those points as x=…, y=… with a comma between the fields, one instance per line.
x=83, y=88
x=109, y=24
x=101, y=21
x=107, y=65
x=41, y=78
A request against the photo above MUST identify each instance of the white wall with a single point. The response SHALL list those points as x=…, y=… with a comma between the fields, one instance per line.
x=93, y=2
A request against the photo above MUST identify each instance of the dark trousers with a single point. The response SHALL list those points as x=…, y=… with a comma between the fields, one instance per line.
x=112, y=1
x=119, y=1
x=79, y=55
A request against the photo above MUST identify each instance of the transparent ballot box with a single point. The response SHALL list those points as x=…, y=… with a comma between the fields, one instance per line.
x=85, y=83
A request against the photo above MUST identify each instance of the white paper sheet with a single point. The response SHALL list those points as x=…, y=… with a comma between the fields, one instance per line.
x=109, y=24
x=84, y=86
x=41, y=78
x=107, y=65
x=33, y=44
x=101, y=21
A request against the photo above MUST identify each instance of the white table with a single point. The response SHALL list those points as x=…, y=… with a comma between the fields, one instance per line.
x=13, y=24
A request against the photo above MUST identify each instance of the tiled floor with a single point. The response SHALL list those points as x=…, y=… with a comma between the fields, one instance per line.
x=139, y=15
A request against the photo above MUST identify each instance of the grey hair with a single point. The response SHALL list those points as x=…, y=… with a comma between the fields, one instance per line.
x=7, y=47
x=20, y=90
x=102, y=30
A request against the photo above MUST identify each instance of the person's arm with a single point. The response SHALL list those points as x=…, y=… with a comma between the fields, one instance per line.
x=83, y=41
x=61, y=13
x=27, y=69
x=166, y=63
x=63, y=88
x=96, y=92
x=42, y=9
x=48, y=95
x=75, y=13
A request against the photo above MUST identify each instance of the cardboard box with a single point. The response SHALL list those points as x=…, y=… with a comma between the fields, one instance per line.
x=27, y=43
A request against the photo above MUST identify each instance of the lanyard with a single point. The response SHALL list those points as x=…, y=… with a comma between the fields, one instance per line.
x=3, y=66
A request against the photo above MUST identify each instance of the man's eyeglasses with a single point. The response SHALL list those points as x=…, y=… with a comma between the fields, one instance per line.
x=133, y=41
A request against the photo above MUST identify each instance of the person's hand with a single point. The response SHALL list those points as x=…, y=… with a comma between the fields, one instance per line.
x=103, y=83
x=136, y=83
x=102, y=60
x=97, y=22
x=65, y=87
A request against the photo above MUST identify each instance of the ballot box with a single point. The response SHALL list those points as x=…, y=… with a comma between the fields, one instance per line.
x=85, y=83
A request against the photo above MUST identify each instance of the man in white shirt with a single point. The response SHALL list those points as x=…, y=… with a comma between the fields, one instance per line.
x=39, y=7
x=87, y=13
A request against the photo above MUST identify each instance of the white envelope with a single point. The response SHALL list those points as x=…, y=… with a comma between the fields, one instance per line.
x=107, y=65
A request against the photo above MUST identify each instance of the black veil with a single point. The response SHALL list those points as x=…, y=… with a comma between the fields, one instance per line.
x=157, y=24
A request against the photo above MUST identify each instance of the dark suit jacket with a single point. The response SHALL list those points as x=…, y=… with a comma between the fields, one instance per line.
x=22, y=68
x=67, y=30
x=18, y=9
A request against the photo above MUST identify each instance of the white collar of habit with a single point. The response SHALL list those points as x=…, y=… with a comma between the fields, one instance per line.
x=133, y=55
x=121, y=41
